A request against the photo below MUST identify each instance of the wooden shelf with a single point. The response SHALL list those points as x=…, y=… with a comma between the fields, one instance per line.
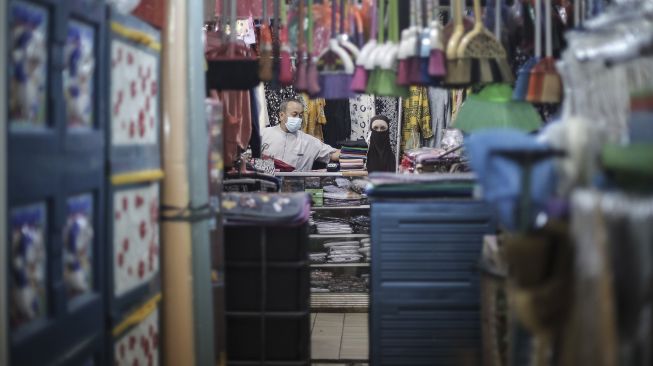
x=338, y=236
x=332, y=265
x=328, y=208
x=351, y=302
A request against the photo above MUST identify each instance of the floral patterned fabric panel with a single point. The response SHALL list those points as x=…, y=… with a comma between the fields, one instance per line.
x=28, y=264
x=28, y=66
x=135, y=237
x=78, y=81
x=134, y=95
x=140, y=345
x=78, y=245
x=274, y=97
x=389, y=107
x=362, y=110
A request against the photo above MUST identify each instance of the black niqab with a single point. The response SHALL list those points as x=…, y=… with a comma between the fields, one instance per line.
x=379, y=156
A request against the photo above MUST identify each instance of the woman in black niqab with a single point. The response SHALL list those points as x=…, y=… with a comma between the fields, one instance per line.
x=379, y=155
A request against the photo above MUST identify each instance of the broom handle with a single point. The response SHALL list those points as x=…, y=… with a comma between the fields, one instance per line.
x=538, y=28
x=301, y=46
x=549, y=30
x=381, y=17
x=478, y=16
x=497, y=20
x=233, y=20
x=310, y=28
x=264, y=16
x=342, y=16
x=373, y=30
x=333, y=19
x=394, y=22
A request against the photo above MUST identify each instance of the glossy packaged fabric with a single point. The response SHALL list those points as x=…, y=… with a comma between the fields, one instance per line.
x=286, y=209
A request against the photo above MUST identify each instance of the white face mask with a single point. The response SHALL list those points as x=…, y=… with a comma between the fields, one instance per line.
x=293, y=124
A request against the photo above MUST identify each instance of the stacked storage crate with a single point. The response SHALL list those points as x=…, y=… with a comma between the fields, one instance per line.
x=134, y=154
x=56, y=181
x=267, y=295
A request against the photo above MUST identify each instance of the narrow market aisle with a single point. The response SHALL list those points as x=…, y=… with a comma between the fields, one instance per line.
x=339, y=336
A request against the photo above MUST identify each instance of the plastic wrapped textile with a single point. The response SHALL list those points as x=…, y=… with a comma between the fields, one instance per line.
x=272, y=209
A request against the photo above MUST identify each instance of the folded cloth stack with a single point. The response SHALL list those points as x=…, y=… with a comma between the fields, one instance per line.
x=366, y=249
x=343, y=252
x=360, y=224
x=353, y=155
x=330, y=225
x=318, y=257
x=286, y=209
x=320, y=280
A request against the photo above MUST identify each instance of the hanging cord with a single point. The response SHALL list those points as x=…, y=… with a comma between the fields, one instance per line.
x=310, y=28
x=393, y=14
x=538, y=28
x=333, y=19
x=375, y=20
x=497, y=20
x=342, y=16
x=549, y=30
x=189, y=213
x=381, y=19
x=301, y=46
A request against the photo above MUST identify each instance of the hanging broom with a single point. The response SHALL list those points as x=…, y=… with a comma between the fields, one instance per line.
x=285, y=64
x=437, y=58
x=457, y=74
x=311, y=69
x=524, y=73
x=545, y=85
x=335, y=66
x=387, y=73
x=266, y=72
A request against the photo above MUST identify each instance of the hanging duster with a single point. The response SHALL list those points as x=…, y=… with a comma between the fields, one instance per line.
x=437, y=58
x=545, y=85
x=311, y=70
x=387, y=72
x=359, y=81
x=524, y=73
x=301, y=80
x=408, y=49
x=266, y=62
x=285, y=64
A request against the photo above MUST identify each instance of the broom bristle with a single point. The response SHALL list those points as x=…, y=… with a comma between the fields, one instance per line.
x=485, y=74
x=285, y=69
x=551, y=88
x=402, y=72
x=313, y=79
x=301, y=82
x=336, y=86
x=535, y=83
x=458, y=72
x=506, y=71
x=437, y=64
x=359, y=81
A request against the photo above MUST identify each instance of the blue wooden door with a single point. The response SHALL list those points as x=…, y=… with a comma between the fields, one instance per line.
x=56, y=178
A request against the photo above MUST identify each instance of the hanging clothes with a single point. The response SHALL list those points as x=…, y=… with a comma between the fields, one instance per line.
x=314, y=118
x=255, y=138
x=338, y=126
x=389, y=107
x=263, y=118
x=362, y=110
x=274, y=97
x=440, y=102
x=237, y=128
x=416, y=121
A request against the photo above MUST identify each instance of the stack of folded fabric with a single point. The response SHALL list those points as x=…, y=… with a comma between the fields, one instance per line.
x=330, y=225
x=360, y=224
x=320, y=280
x=366, y=249
x=343, y=252
x=318, y=257
x=353, y=155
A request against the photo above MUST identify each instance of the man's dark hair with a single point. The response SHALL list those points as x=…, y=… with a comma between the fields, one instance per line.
x=284, y=104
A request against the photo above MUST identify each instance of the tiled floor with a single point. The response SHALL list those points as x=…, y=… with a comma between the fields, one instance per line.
x=339, y=336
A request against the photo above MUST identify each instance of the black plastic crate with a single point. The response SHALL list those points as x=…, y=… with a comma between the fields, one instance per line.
x=267, y=287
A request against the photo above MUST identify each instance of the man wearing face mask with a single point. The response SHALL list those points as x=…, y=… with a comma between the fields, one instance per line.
x=287, y=143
